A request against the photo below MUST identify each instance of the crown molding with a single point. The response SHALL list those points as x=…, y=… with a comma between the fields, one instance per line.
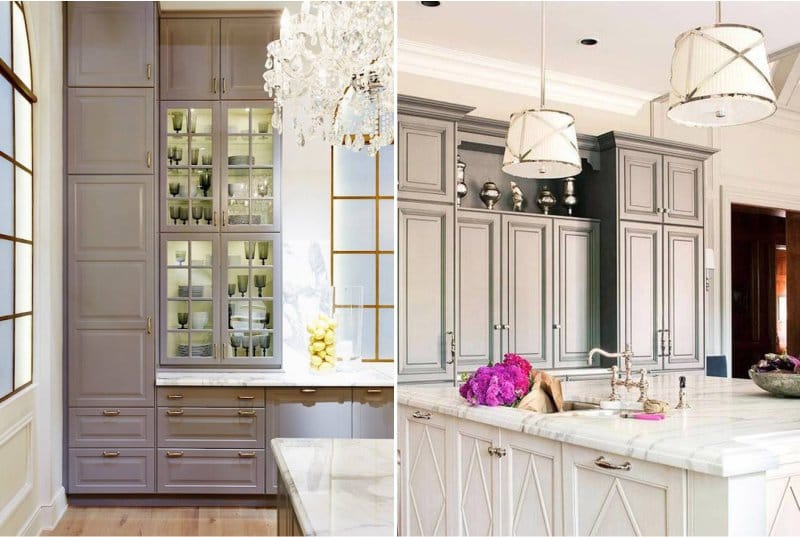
x=481, y=71
x=498, y=129
x=627, y=140
x=420, y=106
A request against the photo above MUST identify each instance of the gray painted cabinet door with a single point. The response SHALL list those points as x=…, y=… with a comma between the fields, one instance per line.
x=640, y=292
x=576, y=302
x=245, y=40
x=373, y=413
x=125, y=470
x=478, y=328
x=527, y=286
x=683, y=191
x=110, y=130
x=425, y=291
x=189, y=54
x=426, y=159
x=640, y=186
x=683, y=297
x=111, y=44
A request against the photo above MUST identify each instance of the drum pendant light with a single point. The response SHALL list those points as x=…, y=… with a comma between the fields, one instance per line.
x=542, y=143
x=720, y=76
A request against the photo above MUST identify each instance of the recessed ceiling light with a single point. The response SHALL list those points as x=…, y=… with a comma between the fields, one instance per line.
x=588, y=41
x=429, y=4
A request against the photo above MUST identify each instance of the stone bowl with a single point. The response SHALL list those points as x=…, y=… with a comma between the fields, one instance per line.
x=777, y=383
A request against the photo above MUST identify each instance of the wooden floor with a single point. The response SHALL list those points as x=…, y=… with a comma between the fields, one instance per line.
x=166, y=521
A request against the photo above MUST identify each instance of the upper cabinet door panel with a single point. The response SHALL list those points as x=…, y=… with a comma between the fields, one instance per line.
x=683, y=297
x=189, y=53
x=683, y=189
x=640, y=190
x=427, y=159
x=111, y=44
x=243, y=52
x=110, y=130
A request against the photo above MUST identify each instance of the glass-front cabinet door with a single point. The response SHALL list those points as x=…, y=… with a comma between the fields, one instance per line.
x=251, y=302
x=251, y=168
x=189, y=306
x=188, y=168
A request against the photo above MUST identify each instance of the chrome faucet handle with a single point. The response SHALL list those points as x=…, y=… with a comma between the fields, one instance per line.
x=643, y=385
x=614, y=372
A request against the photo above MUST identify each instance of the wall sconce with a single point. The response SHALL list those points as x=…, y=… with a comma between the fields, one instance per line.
x=711, y=266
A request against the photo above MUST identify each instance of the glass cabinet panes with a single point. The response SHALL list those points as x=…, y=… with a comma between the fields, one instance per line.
x=188, y=290
x=249, y=305
x=188, y=168
x=249, y=189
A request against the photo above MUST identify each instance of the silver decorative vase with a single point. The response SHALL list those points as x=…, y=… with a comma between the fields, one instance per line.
x=546, y=199
x=570, y=200
x=461, y=185
x=490, y=194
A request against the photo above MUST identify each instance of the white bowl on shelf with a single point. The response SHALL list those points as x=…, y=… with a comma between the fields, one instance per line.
x=199, y=319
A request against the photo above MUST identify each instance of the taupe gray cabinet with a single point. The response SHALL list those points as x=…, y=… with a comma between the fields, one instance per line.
x=426, y=159
x=211, y=58
x=111, y=44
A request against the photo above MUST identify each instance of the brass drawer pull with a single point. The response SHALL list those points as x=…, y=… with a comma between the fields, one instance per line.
x=497, y=451
x=214, y=85
x=149, y=159
x=224, y=85
x=247, y=454
x=178, y=412
x=149, y=325
x=111, y=413
x=374, y=390
x=174, y=396
x=246, y=397
x=308, y=390
x=174, y=454
x=603, y=463
x=247, y=413
x=421, y=415
x=111, y=454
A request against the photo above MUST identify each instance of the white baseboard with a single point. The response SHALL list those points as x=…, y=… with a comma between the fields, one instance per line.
x=47, y=516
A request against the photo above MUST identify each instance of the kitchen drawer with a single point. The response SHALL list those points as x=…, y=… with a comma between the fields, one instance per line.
x=211, y=427
x=638, y=497
x=111, y=427
x=110, y=470
x=211, y=471
x=211, y=397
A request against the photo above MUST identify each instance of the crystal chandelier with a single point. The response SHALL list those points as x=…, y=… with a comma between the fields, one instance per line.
x=335, y=62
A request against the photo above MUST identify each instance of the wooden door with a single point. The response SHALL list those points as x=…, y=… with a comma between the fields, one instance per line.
x=476, y=478
x=478, y=322
x=528, y=287
x=640, y=292
x=640, y=186
x=683, y=297
x=110, y=130
x=111, y=44
x=243, y=49
x=576, y=299
x=426, y=159
x=112, y=291
x=531, y=475
x=373, y=413
x=425, y=277
x=425, y=476
x=189, y=59
x=683, y=191
x=305, y=413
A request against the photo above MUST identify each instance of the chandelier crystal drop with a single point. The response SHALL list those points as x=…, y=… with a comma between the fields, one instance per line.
x=542, y=143
x=334, y=62
x=720, y=76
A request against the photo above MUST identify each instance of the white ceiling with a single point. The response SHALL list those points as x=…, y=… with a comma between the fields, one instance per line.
x=636, y=38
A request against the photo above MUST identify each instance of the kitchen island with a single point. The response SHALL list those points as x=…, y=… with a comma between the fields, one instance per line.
x=335, y=487
x=730, y=465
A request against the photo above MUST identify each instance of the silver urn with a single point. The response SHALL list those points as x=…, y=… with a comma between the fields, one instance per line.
x=546, y=199
x=569, y=200
x=490, y=194
x=461, y=184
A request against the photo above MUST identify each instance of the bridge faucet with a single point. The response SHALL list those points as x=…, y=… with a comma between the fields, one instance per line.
x=626, y=356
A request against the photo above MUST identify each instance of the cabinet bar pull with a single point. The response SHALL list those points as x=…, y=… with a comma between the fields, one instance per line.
x=111, y=454
x=224, y=85
x=452, y=346
x=174, y=454
x=214, y=85
x=603, y=463
x=149, y=325
x=223, y=218
x=498, y=451
x=246, y=397
x=215, y=219
x=149, y=159
x=215, y=351
x=421, y=415
x=247, y=454
x=374, y=390
x=149, y=71
x=111, y=413
x=174, y=396
x=308, y=390
x=247, y=412
x=173, y=412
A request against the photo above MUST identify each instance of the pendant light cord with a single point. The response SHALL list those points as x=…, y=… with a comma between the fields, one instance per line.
x=541, y=79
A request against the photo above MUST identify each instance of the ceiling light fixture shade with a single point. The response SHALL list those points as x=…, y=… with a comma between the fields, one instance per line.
x=720, y=77
x=542, y=143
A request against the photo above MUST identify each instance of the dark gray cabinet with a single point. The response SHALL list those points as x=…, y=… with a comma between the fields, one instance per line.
x=111, y=44
x=683, y=297
x=683, y=191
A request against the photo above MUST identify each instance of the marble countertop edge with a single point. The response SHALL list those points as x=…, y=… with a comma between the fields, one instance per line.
x=367, y=375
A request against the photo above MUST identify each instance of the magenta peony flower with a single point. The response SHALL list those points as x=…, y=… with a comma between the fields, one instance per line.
x=502, y=384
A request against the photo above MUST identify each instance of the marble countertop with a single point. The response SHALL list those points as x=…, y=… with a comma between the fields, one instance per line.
x=368, y=374
x=732, y=428
x=339, y=486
